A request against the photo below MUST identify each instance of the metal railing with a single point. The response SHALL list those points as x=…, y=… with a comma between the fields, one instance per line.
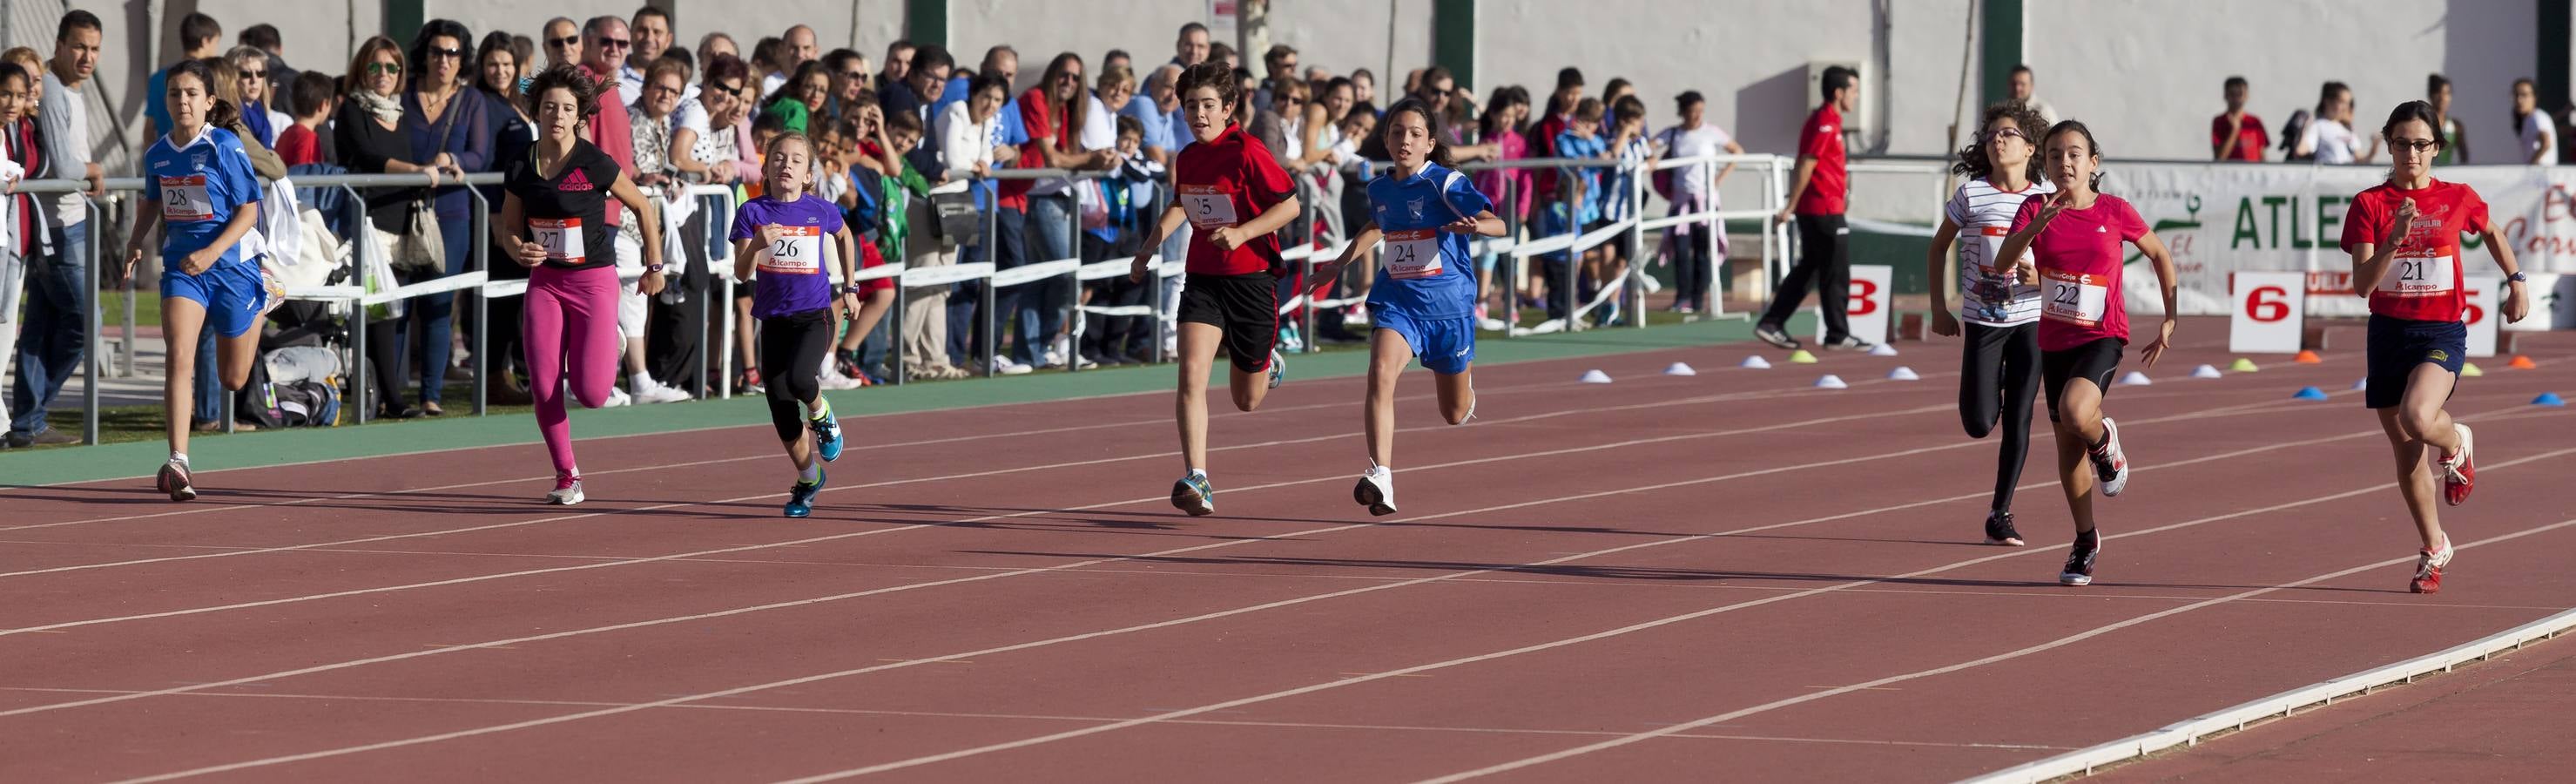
x=717, y=326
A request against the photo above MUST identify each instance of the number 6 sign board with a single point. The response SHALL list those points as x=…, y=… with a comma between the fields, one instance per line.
x=1867, y=310
x=2269, y=314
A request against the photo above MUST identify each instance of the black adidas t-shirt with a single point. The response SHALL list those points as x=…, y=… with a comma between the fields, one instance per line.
x=568, y=214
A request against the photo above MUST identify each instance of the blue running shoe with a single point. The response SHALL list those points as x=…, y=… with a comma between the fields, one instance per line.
x=1278, y=368
x=1193, y=495
x=827, y=436
x=800, y=498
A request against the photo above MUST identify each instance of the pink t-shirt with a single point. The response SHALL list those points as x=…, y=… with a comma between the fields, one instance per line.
x=2079, y=270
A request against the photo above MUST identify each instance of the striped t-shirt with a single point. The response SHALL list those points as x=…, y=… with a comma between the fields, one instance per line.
x=1984, y=215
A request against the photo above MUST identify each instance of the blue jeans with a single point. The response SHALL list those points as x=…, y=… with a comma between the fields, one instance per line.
x=56, y=331
x=1042, y=303
x=433, y=317
x=1008, y=248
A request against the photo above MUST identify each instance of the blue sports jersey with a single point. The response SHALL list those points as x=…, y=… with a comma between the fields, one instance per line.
x=200, y=188
x=1425, y=272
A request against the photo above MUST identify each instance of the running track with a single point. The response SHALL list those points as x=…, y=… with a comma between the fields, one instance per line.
x=1666, y=578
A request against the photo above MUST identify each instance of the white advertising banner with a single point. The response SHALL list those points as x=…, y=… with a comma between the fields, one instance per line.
x=2225, y=218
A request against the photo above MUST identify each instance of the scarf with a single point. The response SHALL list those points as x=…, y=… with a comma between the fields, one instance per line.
x=385, y=108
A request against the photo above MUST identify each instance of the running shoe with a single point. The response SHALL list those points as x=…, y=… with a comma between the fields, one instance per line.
x=1278, y=368
x=648, y=391
x=2428, y=568
x=173, y=479
x=1771, y=333
x=1999, y=530
x=2110, y=464
x=2079, y=562
x=1193, y=495
x=1852, y=342
x=1376, y=491
x=800, y=498
x=827, y=436
x=616, y=397
x=2459, y=476
x=567, y=490
x=1289, y=339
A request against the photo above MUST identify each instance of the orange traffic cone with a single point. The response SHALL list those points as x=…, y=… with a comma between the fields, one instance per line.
x=2308, y=358
x=2522, y=362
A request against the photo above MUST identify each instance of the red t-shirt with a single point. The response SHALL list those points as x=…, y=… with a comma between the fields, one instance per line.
x=1228, y=181
x=2079, y=269
x=2250, y=138
x=2424, y=282
x=1822, y=139
x=1543, y=183
x=297, y=146
x=1039, y=118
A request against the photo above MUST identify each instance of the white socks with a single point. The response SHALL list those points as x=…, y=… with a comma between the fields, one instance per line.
x=811, y=473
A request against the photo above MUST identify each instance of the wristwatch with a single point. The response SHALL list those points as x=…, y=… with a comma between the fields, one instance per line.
x=840, y=290
x=2518, y=277
x=652, y=269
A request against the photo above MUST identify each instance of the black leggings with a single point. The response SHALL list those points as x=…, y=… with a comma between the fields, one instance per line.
x=1999, y=375
x=1694, y=270
x=792, y=348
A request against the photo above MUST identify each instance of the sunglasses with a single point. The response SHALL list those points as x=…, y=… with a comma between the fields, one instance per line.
x=458, y=54
x=254, y=74
x=616, y=43
x=568, y=40
x=380, y=69
x=854, y=76
x=2007, y=133
x=2419, y=145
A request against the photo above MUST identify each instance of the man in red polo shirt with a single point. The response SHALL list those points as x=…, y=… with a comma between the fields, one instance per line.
x=1816, y=201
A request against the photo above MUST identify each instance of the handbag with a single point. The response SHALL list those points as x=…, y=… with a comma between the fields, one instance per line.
x=422, y=249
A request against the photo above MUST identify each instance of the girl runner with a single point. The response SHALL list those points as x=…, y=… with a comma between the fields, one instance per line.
x=784, y=234
x=1999, y=370
x=1424, y=302
x=1230, y=298
x=2075, y=236
x=198, y=184
x=2404, y=237
x=554, y=221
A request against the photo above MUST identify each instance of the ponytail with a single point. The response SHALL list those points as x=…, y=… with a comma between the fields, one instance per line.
x=214, y=74
x=223, y=115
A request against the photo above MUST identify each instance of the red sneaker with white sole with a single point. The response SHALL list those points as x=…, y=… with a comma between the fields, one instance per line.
x=2428, y=569
x=2459, y=471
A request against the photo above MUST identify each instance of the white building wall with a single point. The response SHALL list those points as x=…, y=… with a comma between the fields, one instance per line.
x=2146, y=76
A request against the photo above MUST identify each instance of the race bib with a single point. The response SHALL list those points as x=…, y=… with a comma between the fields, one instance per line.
x=184, y=200
x=561, y=237
x=798, y=251
x=1208, y=207
x=2421, y=276
x=1413, y=254
x=2074, y=297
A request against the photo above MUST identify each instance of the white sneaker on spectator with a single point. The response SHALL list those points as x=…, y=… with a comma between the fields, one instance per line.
x=651, y=391
x=617, y=397
x=1003, y=366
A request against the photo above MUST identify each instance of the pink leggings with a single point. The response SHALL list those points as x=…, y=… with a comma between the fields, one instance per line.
x=569, y=328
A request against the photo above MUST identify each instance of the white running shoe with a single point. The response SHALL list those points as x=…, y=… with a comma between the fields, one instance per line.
x=2110, y=464
x=649, y=391
x=1376, y=491
x=617, y=397
x=1006, y=367
x=567, y=491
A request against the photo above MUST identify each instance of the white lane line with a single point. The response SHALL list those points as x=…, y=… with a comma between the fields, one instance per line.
x=1970, y=664
x=1018, y=646
x=1550, y=645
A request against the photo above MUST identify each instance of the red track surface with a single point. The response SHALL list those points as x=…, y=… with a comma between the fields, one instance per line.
x=1651, y=580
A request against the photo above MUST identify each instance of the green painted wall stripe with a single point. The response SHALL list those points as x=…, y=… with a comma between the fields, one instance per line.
x=925, y=22
x=403, y=19
x=2553, y=77
x=2000, y=29
x=1453, y=39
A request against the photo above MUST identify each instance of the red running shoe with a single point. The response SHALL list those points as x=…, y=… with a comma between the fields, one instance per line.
x=2428, y=569
x=2459, y=472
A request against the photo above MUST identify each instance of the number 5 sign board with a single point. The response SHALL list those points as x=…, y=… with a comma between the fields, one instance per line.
x=2485, y=295
x=1871, y=285
x=2269, y=313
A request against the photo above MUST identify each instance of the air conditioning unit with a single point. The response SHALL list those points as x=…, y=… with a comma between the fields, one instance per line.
x=1859, y=119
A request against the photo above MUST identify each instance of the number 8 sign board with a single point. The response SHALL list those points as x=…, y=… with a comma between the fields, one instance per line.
x=1871, y=284
x=2269, y=314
